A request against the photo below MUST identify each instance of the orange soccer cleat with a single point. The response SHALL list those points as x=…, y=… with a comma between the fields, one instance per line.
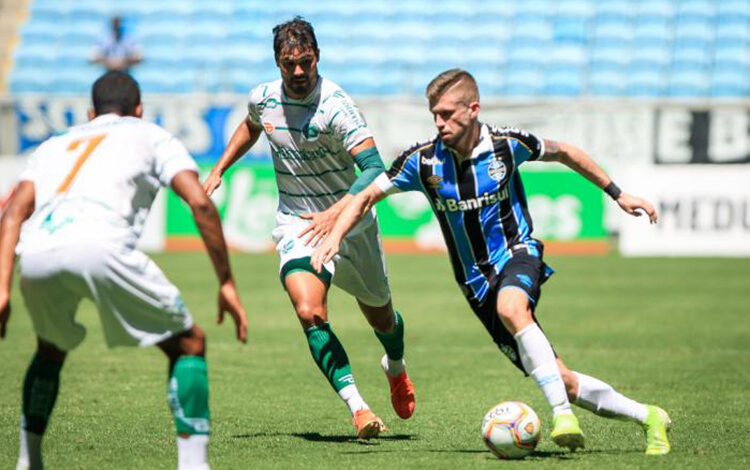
x=402, y=392
x=368, y=425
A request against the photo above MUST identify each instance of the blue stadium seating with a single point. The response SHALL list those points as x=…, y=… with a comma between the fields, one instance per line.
x=638, y=48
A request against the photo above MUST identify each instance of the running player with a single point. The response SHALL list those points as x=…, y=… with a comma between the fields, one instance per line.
x=87, y=193
x=317, y=135
x=469, y=174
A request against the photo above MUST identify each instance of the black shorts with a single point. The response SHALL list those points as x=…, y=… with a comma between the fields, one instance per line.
x=523, y=271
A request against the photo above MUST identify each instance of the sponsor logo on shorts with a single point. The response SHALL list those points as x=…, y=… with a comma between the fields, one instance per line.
x=497, y=170
x=508, y=351
x=525, y=279
x=287, y=247
x=268, y=127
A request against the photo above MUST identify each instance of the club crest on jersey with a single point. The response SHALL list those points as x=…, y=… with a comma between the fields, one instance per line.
x=268, y=127
x=434, y=182
x=497, y=170
x=311, y=132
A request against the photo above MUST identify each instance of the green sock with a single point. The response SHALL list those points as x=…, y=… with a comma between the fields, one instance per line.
x=330, y=356
x=40, y=388
x=188, y=396
x=393, y=342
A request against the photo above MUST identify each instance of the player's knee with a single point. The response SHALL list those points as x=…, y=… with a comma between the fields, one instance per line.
x=50, y=352
x=571, y=384
x=194, y=344
x=514, y=316
x=310, y=314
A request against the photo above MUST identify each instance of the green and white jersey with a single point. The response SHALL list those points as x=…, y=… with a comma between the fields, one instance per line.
x=310, y=141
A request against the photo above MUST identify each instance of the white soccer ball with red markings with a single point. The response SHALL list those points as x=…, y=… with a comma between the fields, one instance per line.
x=511, y=430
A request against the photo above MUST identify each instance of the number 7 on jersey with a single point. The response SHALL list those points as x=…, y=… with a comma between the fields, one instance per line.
x=93, y=142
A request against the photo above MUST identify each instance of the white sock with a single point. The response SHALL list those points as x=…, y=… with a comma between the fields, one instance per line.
x=30, y=451
x=353, y=399
x=393, y=367
x=600, y=398
x=539, y=361
x=192, y=452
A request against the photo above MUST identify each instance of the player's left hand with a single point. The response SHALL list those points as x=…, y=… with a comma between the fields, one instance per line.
x=229, y=301
x=633, y=205
x=320, y=226
x=324, y=253
x=4, y=313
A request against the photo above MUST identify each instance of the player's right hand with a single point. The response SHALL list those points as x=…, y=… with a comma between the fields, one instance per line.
x=212, y=182
x=324, y=253
x=4, y=313
x=229, y=301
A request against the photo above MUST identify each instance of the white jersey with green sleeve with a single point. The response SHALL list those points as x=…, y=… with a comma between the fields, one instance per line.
x=310, y=141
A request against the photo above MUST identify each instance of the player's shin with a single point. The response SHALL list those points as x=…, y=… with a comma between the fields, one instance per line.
x=600, y=398
x=328, y=353
x=188, y=399
x=539, y=361
x=393, y=343
x=40, y=387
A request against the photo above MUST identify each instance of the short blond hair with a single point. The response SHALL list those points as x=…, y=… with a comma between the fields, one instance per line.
x=446, y=80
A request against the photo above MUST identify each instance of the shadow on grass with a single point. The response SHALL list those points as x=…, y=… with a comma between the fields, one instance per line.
x=317, y=437
x=334, y=438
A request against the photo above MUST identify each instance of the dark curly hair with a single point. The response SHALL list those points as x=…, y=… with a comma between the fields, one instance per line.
x=294, y=33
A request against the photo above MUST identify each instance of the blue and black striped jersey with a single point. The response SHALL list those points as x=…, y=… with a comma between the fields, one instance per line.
x=479, y=203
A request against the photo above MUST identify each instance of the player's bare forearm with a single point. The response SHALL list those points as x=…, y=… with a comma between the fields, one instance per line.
x=358, y=206
x=583, y=164
x=577, y=160
x=20, y=208
x=206, y=217
x=354, y=211
x=242, y=141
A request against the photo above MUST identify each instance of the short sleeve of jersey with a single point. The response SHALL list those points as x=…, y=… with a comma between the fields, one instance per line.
x=404, y=172
x=171, y=158
x=525, y=145
x=346, y=121
x=32, y=166
x=253, y=110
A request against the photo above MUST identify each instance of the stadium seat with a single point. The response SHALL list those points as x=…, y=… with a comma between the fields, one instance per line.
x=688, y=85
x=650, y=57
x=645, y=83
x=612, y=33
x=523, y=83
x=563, y=81
x=571, y=30
x=606, y=83
x=690, y=58
x=730, y=84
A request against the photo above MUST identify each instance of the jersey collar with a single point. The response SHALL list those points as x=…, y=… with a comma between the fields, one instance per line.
x=307, y=99
x=109, y=117
x=484, y=145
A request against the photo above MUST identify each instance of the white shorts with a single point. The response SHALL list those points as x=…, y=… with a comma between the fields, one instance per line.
x=358, y=269
x=137, y=303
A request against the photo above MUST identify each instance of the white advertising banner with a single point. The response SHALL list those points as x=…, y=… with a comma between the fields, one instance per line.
x=704, y=210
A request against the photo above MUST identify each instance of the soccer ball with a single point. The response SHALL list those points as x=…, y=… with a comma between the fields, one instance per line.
x=511, y=430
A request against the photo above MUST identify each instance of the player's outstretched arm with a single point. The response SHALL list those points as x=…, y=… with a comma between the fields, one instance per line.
x=579, y=161
x=20, y=208
x=242, y=140
x=354, y=211
x=366, y=157
x=187, y=186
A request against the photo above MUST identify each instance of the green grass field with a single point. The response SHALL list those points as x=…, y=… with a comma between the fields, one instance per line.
x=669, y=331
